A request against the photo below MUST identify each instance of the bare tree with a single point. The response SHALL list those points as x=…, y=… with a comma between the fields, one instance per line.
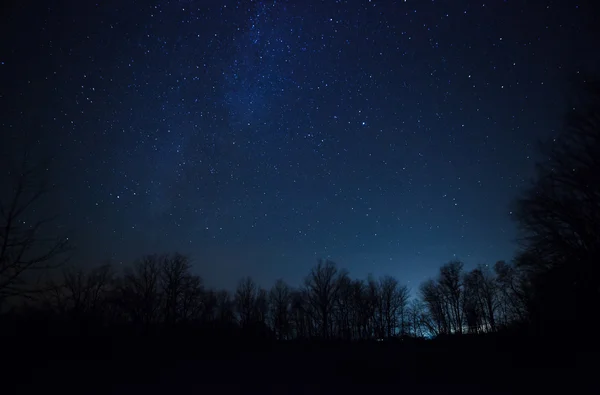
x=344, y=308
x=210, y=305
x=301, y=314
x=280, y=301
x=514, y=298
x=416, y=316
x=25, y=242
x=437, y=319
x=450, y=285
x=372, y=307
x=481, y=296
x=174, y=283
x=322, y=288
x=246, y=295
x=472, y=307
x=362, y=310
x=394, y=300
x=262, y=308
x=193, y=301
x=141, y=297
x=225, y=307
x=559, y=216
x=85, y=293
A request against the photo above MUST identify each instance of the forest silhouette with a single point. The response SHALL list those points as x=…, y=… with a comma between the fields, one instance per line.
x=545, y=298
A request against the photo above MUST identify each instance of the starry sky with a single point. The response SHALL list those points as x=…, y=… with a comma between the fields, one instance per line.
x=258, y=136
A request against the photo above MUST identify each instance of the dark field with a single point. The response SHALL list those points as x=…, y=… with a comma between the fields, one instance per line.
x=469, y=365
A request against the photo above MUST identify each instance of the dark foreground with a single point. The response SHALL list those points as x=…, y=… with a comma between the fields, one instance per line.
x=145, y=365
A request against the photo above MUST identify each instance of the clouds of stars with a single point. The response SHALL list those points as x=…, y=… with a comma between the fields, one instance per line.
x=259, y=135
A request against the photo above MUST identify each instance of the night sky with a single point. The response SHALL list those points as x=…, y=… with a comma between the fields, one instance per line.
x=258, y=136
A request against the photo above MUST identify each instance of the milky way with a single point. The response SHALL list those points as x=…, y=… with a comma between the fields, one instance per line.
x=258, y=136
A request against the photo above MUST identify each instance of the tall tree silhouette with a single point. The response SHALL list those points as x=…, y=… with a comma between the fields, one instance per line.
x=141, y=297
x=225, y=307
x=83, y=292
x=280, y=300
x=393, y=305
x=450, y=283
x=25, y=244
x=437, y=318
x=512, y=293
x=246, y=300
x=481, y=299
x=175, y=286
x=559, y=216
x=416, y=317
x=298, y=314
x=346, y=309
x=194, y=303
x=444, y=299
x=322, y=289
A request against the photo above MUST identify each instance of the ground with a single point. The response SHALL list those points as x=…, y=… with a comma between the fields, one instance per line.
x=496, y=366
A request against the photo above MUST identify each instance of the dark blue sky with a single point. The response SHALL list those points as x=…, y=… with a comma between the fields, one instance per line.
x=258, y=136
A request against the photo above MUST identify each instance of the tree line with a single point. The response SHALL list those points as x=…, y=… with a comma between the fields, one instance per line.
x=160, y=291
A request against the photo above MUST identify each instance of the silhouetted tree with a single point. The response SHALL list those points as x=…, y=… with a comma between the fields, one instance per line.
x=84, y=293
x=512, y=293
x=436, y=320
x=472, y=308
x=300, y=314
x=25, y=244
x=262, y=307
x=393, y=304
x=209, y=304
x=175, y=285
x=450, y=286
x=481, y=299
x=322, y=288
x=159, y=293
x=370, y=304
x=345, y=315
x=416, y=316
x=559, y=215
x=362, y=309
x=280, y=300
x=193, y=301
x=141, y=297
x=225, y=307
x=250, y=303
